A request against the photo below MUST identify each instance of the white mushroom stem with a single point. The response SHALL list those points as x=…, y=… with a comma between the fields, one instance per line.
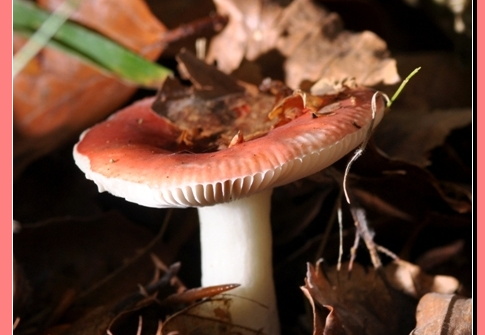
x=236, y=245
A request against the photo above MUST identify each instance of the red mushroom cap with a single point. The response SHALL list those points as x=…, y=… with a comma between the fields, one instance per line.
x=134, y=154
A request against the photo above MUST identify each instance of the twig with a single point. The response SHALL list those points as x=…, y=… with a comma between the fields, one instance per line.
x=358, y=214
x=360, y=150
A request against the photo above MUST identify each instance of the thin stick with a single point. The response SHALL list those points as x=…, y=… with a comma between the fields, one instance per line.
x=387, y=252
x=361, y=148
x=358, y=214
x=341, y=238
x=140, y=325
x=363, y=231
x=328, y=228
x=353, y=251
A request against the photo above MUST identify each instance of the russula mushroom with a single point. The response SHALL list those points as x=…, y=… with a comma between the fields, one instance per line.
x=135, y=155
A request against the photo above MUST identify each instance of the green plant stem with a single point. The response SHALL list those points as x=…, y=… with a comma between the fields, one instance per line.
x=401, y=87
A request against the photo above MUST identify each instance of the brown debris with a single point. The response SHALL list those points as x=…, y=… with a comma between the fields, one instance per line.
x=445, y=314
x=361, y=301
x=416, y=207
x=310, y=53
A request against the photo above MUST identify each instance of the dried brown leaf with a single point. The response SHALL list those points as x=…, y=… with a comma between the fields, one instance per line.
x=409, y=278
x=360, y=301
x=445, y=314
x=112, y=17
x=217, y=111
x=99, y=319
x=57, y=96
x=206, y=79
x=150, y=314
x=211, y=317
x=310, y=38
x=51, y=97
x=410, y=137
x=248, y=22
x=193, y=295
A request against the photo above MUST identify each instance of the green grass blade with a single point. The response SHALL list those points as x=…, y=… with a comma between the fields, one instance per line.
x=42, y=36
x=95, y=48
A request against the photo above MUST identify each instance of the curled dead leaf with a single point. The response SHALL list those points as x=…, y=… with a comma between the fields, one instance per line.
x=356, y=302
x=360, y=301
x=445, y=314
x=410, y=137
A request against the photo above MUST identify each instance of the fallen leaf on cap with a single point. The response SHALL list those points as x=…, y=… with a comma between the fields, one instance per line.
x=444, y=314
x=310, y=39
x=216, y=108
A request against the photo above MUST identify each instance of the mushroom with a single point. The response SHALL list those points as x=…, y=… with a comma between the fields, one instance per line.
x=135, y=155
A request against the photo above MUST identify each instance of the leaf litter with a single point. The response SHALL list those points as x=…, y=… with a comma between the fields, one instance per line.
x=366, y=301
x=311, y=41
x=426, y=215
x=67, y=90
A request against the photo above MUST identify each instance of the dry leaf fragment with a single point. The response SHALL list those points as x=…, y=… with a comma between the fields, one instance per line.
x=361, y=301
x=112, y=17
x=52, y=94
x=413, y=281
x=216, y=108
x=311, y=39
x=410, y=137
x=357, y=302
x=444, y=314
x=249, y=22
x=206, y=79
x=209, y=317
